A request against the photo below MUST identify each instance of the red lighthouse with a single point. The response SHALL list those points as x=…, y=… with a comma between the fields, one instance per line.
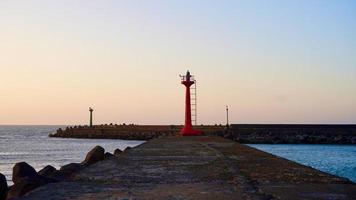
x=188, y=130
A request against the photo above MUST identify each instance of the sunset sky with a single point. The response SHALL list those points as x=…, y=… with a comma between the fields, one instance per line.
x=270, y=61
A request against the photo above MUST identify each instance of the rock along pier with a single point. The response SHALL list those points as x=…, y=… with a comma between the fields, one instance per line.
x=199, y=167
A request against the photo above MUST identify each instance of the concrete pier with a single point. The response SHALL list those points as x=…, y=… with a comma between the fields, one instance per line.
x=202, y=167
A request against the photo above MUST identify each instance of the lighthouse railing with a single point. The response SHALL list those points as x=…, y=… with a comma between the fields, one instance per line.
x=184, y=78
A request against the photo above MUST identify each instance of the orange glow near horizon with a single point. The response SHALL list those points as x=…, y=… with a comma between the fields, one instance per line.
x=123, y=59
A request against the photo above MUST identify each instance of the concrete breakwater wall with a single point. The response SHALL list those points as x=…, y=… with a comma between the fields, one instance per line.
x=125, y=132
x=130, y=132
x=292, y=133
x=243, y=133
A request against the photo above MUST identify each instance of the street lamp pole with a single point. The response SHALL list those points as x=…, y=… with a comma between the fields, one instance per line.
x=91, y=117
x=227, y=116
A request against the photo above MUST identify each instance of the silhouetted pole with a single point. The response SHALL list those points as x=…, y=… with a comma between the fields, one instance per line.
x=227, y=116
x=91, y=117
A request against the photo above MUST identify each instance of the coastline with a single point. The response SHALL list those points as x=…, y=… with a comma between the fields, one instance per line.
x=155, y=170
x=78, y=167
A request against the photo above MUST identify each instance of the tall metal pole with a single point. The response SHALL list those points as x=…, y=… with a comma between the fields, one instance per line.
x=91, y=117
x=227, y=115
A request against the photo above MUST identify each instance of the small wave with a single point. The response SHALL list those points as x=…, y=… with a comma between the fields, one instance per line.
x=13, y=153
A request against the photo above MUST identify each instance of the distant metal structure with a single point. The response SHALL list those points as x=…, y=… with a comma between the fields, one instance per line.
x=91, y=116
x=188, y=80
x=227, y=115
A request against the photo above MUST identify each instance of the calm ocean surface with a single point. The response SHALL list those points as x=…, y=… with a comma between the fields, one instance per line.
x=339, y=160
x=32, y=145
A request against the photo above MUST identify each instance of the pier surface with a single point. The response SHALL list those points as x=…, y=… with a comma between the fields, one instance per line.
x=201, y=167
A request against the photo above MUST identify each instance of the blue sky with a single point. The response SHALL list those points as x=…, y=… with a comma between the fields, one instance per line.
x=271, y=61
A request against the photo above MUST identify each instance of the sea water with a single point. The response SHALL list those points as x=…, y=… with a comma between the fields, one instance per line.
x=339, y=160
x=31, y=144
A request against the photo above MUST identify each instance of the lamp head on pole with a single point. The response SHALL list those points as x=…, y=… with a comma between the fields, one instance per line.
x=91, y=109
